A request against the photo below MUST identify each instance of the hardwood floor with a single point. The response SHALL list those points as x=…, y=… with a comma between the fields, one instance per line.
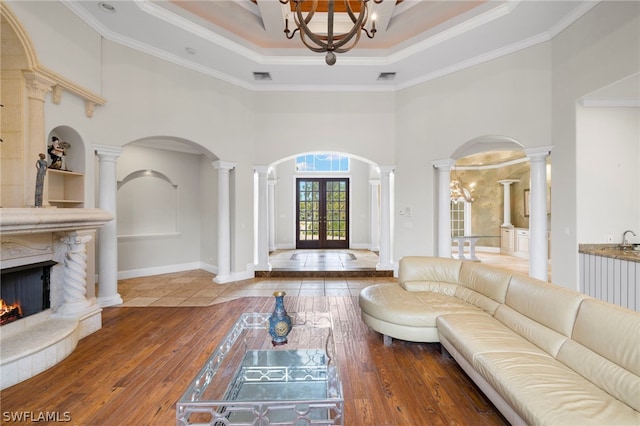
x=137, y=366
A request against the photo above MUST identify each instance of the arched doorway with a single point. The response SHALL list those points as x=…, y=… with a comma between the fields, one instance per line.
x=487, y=162
x=322, y=207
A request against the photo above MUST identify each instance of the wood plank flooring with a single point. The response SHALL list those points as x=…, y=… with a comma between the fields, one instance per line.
x=133, y=370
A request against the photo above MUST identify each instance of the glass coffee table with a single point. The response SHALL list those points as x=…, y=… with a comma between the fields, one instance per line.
x=249, y=381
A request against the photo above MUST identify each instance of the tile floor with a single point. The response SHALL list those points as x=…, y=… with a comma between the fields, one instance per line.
x=196, y=288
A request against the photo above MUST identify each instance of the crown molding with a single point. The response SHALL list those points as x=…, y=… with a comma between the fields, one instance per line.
x=610, y=102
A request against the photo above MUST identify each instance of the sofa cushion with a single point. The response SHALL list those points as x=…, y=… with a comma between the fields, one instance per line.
x=550, y=305
x=433, y=269
x=390, y=302
x=605, y=348
x=545, y=338
x=543, y=391
x=472, y=334
x=488, y=281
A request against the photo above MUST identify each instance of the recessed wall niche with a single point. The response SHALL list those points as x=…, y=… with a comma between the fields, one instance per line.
x=147, y=204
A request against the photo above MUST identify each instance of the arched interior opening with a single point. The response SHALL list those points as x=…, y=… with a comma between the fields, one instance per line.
x=167, y=207
x=324, y=201
x=498, y=223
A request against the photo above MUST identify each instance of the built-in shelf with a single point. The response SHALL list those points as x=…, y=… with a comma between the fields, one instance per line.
x=66, y=189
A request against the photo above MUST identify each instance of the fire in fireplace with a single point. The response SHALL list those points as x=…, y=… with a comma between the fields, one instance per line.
x=25, y=290
x=9, y=313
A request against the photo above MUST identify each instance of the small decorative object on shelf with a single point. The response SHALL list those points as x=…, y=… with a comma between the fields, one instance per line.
x=57, y=151
x=279, y=321
x=41, y=166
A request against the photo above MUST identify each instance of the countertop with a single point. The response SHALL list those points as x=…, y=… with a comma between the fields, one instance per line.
x=610, y=250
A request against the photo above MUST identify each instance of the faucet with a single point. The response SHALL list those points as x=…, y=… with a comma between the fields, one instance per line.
x=625, y=243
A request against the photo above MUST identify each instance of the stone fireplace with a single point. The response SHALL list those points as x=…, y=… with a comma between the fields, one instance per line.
x=57, y=238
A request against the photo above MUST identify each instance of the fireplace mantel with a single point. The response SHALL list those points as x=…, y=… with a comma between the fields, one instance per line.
x=36, y=220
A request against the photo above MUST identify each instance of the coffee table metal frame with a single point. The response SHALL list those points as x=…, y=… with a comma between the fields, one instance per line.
x=237, y=387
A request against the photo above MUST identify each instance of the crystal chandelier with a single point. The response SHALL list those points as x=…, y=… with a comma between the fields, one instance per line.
x=330, y=42
x=459, y=191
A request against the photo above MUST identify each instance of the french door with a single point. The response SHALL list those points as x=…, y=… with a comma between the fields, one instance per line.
x=322, y=209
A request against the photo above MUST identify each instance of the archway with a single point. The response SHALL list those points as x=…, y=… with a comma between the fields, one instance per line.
x=278, y=212
x=165, y=224
x=489, y=161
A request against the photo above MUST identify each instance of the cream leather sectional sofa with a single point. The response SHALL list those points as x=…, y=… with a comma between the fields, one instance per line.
x=543, y=354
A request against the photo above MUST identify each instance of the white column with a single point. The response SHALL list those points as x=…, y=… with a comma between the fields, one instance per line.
x=263, y=218
x=384, y=255
x=444, y=206
x=224, y=221
x=506, y=183
x=538, y=240
x=108, y=235
x=374, y=214
x=272, y=214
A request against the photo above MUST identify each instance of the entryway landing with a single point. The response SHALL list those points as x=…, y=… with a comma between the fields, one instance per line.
x=324, y=263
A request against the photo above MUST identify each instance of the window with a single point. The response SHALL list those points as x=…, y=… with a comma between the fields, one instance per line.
x=320, y=162
x=460, y=218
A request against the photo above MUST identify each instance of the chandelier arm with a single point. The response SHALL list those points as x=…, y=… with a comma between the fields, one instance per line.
x=322, y=46
x=363, y=3
x=301, y=23
x=339, y=49
x=355, y=31
x=330, y=16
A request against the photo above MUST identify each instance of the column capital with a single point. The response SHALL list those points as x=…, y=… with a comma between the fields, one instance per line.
x=443, y=165
x=262, y=169
x=508, y=181
x=37, y=85
x=374, y=182
x=106, y=151
x=541, y=152
x=223, y=165
x=387, y=169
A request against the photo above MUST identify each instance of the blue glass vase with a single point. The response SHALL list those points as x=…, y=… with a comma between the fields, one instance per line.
x=279, y=321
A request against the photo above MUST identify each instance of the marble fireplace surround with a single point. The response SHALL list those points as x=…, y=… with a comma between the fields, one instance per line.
x=29, y=235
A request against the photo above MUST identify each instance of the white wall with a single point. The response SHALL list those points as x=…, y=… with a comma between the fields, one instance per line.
x=63, y=43
x=508, y=97
x=608, y=172
x=360, y=124
x=601, y=48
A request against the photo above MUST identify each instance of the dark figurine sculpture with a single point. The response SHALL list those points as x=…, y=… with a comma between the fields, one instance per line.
x=41, y=166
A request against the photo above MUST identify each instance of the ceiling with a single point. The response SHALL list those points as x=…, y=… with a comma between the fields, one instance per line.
x=418, y=40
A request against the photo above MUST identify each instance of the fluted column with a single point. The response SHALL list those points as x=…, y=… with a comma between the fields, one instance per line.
x=385, y=255
x=538, y=229
x=37, y=88
x=506, y=200
x=444, y=206
x=272, y=214
x=374, y=214
x=224, y=221
x=263, y=219
x=108, y=235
